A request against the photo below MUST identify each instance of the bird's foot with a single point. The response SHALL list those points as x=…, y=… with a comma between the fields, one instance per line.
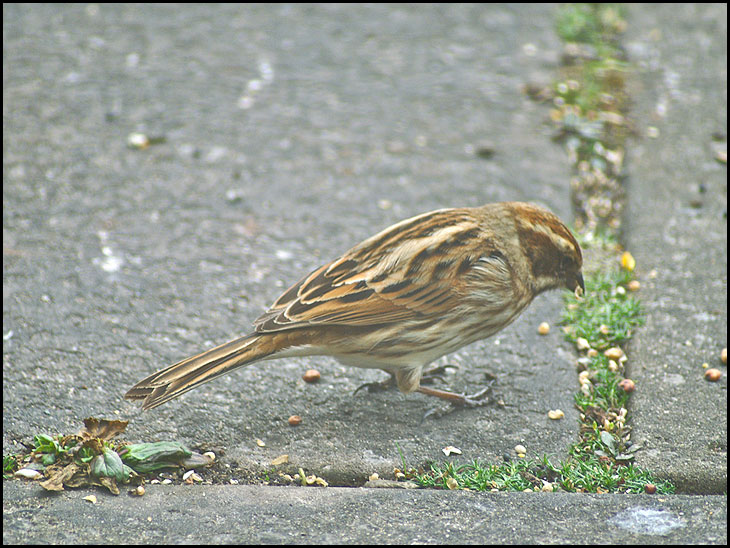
x=478, y=399
x=376, y=386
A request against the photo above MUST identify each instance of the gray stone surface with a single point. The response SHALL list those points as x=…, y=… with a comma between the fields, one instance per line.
x=245, y=514
x=677, y=226
x=122, y=261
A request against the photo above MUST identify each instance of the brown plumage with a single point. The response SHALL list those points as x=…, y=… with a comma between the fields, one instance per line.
x=401, y=299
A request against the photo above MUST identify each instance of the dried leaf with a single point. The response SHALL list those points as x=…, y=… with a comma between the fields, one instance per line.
x=102, y=428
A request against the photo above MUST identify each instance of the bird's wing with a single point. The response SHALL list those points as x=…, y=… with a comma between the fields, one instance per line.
x=415, y=269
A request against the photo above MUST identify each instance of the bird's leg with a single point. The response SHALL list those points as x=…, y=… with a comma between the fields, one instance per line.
x=480, y=398
x=468, y=400
x=430, y=375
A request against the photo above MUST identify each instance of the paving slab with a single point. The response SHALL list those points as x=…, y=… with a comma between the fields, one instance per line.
x=252, y=514
x=676, y=227
x=290, y=133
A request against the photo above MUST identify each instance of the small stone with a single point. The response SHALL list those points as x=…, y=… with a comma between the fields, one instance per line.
x=627, y=261
x=281, y=459
x=713, y=375
x=543, y=328
x=582, y=343
x=138, y=141
x=627, y=385
x=555, y=414
x=614, y=353
x=650, y=488
x=295, y=420
x=311, y=375
x=28, y=473
x=190, y=476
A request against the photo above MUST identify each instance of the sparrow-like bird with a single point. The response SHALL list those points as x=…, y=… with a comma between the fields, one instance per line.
x=416, y=291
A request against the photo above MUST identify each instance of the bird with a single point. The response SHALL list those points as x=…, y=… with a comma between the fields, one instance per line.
x=412, y=293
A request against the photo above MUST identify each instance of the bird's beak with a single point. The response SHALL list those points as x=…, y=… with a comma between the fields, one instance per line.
x=580, y=287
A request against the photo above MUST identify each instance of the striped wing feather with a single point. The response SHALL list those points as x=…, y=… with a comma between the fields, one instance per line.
x=412, y=270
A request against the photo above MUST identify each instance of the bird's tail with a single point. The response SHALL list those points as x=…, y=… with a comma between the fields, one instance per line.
x=185, y=375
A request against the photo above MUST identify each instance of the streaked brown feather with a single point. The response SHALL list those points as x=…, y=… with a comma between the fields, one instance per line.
x=405, y=273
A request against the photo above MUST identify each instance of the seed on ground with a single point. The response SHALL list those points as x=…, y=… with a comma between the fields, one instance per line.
x=713, y=375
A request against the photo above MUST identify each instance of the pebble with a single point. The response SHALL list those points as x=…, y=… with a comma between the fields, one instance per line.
x=713, y=375
x=614, y=353
x=582, y=343
x=627, y=385
x=138, y=141
x=281, y=459
x=295, y=420
x=311, y=375
x=450, y=449
x=555, y=414
x=627, y=261
x=28, y=473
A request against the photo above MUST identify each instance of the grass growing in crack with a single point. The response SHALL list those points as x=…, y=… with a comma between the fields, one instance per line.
x=591, y=474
